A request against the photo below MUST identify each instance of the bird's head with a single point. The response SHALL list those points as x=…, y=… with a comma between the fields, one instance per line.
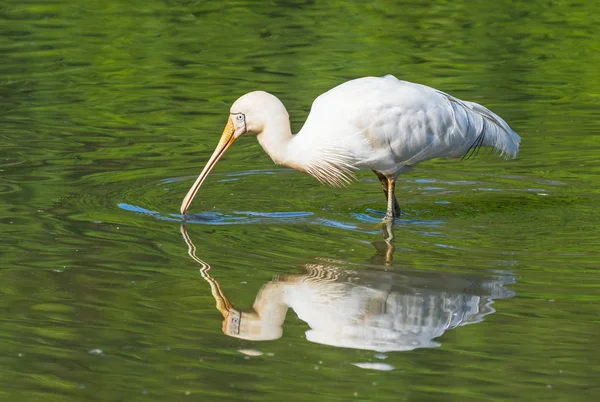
x=248, y=115
x=250, y=112
x=251, y=326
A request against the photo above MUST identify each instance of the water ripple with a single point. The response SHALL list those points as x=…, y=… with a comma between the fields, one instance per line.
x=296, y=217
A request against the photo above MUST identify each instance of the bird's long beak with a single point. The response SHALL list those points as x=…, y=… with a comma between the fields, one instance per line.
x=227, y=138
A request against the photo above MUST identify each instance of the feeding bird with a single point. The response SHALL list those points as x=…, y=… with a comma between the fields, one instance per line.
x=378, y=123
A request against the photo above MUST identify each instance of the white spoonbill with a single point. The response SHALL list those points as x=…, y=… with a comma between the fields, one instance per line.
x=378, y=123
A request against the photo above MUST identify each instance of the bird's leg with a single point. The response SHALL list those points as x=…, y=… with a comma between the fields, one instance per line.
x=397, y=210
x=384, y=185
x=391, y=185
x=388, y=222
x=383, y=181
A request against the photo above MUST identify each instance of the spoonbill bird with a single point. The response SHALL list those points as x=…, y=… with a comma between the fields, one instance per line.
x=378, y=123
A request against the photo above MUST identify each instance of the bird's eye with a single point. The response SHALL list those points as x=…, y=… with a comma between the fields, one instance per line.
x=240, y=117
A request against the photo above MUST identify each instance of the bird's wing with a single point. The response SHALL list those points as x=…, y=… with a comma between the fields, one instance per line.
x=419, y=123
x=386, y=124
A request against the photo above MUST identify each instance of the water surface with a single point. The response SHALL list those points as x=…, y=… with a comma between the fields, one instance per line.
x=108, y=111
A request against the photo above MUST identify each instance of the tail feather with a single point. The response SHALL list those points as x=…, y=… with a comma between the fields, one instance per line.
x=496, y=132
x=484, y=128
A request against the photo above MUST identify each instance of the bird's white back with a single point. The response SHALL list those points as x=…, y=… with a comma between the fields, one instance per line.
x=389, y=125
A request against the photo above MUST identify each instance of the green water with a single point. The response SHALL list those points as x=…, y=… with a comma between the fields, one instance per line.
x=108, y=111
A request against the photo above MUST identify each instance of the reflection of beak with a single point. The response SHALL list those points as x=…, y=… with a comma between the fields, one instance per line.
x=225, y=142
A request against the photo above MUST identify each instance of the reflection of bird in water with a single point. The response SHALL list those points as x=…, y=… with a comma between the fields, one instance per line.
x=362, y=309
x=382, y=124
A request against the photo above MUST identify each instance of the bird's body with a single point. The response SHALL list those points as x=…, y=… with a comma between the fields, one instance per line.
x=383, y=124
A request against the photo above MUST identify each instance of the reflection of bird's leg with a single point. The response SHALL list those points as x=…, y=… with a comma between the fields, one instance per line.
x=385, y=184
x=388, y=236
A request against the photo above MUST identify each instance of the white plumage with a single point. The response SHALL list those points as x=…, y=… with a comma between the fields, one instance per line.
x=363, y=309
x=383, y=124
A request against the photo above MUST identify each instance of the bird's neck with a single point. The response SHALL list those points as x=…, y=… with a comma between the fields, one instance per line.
x=276, y=138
